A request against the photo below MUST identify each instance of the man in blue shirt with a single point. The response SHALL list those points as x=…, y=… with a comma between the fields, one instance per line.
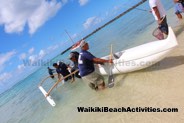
x=86, y=67
x=61, y=69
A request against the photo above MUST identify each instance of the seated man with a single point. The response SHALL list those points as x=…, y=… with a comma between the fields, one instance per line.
x=74, y=58
x=61, y=69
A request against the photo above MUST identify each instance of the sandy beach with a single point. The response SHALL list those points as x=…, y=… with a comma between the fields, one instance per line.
x=159, y=86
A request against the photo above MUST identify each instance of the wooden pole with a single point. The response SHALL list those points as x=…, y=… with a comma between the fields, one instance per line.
x=46, y=79
x=60, y=81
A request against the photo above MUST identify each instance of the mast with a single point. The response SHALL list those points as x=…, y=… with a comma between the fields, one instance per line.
x=69, y=36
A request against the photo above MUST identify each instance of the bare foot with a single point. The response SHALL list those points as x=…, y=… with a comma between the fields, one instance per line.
x=101, y=86
x=72, y=80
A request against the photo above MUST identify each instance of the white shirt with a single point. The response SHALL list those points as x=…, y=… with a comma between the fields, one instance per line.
x=158, y=4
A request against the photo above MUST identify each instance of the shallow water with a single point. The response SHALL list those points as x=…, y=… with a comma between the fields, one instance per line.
x=157, y=86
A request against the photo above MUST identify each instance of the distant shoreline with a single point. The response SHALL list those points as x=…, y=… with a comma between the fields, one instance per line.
x=123, y=13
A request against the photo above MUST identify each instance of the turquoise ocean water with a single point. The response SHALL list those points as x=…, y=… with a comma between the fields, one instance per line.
x=24, y=103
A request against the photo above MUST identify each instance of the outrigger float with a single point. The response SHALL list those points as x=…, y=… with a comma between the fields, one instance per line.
x=129, y=60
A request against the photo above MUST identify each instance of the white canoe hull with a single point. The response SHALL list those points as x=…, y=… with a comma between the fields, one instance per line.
x=140, y=57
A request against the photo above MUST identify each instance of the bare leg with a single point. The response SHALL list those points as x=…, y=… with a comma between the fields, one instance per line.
x=179, y=16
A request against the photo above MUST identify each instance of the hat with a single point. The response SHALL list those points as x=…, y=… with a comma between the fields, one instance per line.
x=82, y=43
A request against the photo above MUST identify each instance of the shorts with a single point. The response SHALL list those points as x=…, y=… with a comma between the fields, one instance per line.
x=94, y=78
x=178, y=8
x=164, y=26
x=182, y=2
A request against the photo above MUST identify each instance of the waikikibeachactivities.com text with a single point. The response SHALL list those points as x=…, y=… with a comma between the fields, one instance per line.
x=118, y=63
x=125, y=109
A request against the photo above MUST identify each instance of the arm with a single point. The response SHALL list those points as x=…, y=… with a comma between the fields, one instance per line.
x=97, y=60
x=59, y=76
x=101, y=61
x=157, y=14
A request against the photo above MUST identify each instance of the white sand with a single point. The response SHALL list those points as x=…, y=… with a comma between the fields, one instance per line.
x=160, y=86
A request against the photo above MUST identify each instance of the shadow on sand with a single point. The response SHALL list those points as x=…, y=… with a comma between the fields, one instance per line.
x=166, y=63
x=179, y=30
x=120, y=79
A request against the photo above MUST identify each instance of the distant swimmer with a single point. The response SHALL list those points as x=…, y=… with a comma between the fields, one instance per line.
x=51, y=71
x=61, y=69
x=74, y=58
x=159, y=14
x=87, y=70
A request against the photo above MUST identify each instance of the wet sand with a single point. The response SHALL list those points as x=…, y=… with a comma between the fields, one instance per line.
x=159, y=86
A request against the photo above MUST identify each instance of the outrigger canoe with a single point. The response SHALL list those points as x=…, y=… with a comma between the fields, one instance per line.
x=75, y=46
x=140, y=57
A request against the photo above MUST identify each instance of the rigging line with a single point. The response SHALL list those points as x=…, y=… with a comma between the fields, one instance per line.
x=69, y=36
x=123, y=13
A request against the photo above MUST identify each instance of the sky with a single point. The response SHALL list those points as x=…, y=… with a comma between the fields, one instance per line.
x=33, y=30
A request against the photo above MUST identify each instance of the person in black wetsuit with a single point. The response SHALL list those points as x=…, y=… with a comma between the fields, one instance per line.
x=51, y=71
x=74, y=58
x=61, y=69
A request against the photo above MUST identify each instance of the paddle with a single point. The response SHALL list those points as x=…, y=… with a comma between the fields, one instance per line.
x=110, y=77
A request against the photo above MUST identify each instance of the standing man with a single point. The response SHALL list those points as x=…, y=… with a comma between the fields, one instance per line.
x=74, y=58
x=86, y=67
x=159, y=13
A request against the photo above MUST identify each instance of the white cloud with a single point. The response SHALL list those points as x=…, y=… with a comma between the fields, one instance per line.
x=33, y=58
x=5, y=58
x=21, y=68
x=52, y=48
x=22, y=56
x=83, y=2
x=5, y=76
x=64, y=1
x=45, y=11
x=74, y=36
x=31, y=50
x=92, y=21
x=42, y=53
x=15, y=14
